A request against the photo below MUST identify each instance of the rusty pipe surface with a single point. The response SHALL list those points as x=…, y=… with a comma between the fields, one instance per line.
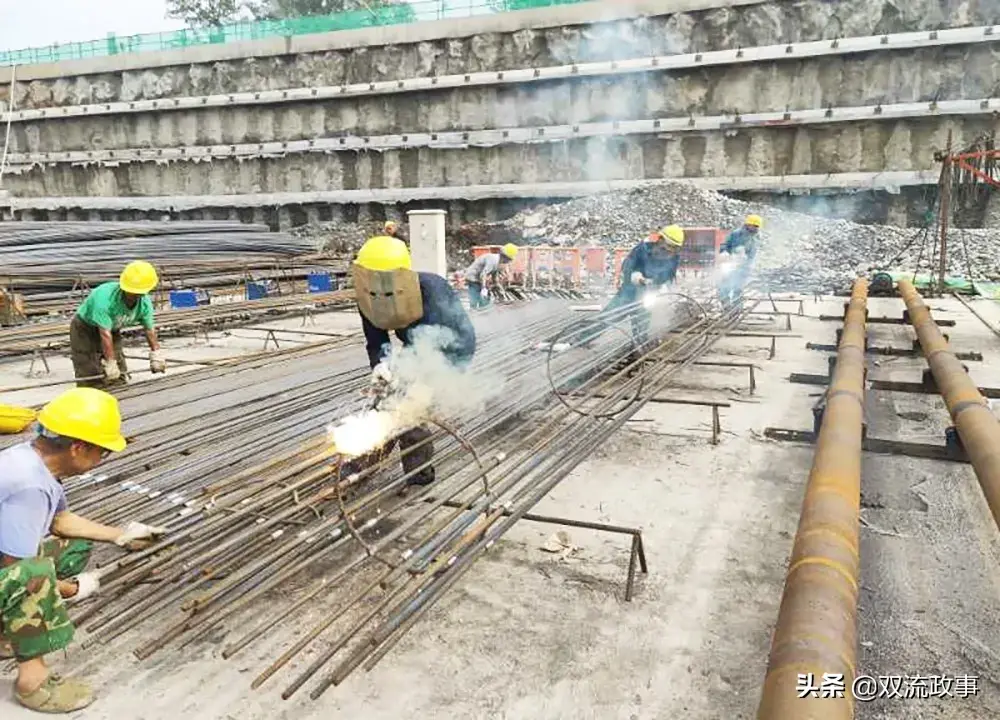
x=976, y=424
x=816, y=632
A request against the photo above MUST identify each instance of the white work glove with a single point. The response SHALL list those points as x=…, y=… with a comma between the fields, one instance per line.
x=381, y=374
x=485, y=292
x=638, y=278
x=137, y=535
x=87, y=584
x=110, y=369
x=156, y=362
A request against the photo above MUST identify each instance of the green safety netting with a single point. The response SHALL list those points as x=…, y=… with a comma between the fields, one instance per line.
x=989, y=290
x=924, y=280
x=258, y=30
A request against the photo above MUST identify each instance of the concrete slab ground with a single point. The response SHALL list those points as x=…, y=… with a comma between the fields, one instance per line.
x=532, y=635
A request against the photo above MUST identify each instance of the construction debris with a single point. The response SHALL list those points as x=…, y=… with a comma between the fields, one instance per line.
x=798, y=252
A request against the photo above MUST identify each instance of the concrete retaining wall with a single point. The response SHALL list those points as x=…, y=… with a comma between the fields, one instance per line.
x=564, y=35
x=843, y=148
x=904, y=76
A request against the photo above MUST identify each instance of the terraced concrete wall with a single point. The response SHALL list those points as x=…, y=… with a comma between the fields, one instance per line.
x=204, y=130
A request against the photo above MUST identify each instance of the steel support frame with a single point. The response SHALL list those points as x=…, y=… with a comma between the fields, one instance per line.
x=637, y=551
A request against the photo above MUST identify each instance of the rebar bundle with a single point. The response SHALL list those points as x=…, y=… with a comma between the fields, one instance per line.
x=22, y=339
x=53, y=264
x=237, y=463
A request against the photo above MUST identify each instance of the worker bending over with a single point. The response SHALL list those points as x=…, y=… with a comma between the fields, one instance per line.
x=650, y=265
x=39, y=573
x=737, y=255
x=95, y=332
x=393, y=298
x=391, y=229
x=486, y=269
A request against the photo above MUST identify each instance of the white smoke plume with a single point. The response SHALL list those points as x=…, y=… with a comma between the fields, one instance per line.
x=425, y=384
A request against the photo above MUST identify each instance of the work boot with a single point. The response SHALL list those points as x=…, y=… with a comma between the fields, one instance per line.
x=57, y=695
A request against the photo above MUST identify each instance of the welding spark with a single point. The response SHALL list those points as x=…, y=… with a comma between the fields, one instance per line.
x=361, y=433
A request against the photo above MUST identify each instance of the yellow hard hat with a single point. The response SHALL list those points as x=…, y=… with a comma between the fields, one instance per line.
x=384, y=253
x=673, y=234
x=510, y=250
x=753, y=221
x=86, y=414
x=15, y=419
x=138, y=278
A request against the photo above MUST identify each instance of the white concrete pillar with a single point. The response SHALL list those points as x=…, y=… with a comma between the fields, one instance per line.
x=427, y=241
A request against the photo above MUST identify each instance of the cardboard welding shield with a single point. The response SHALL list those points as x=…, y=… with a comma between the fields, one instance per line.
x=390, y=300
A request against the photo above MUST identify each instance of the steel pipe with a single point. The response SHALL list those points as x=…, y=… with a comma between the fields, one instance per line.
x=816, y=632
x=976, y=424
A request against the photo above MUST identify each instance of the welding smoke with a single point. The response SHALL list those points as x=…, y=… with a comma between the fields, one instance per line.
x=425, y=384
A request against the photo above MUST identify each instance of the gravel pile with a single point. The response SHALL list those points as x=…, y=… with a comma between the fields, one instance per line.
x=338, y=238
x=797, y=251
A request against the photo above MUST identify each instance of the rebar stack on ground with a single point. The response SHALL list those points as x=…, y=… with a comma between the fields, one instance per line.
x=236, y=462
x=53, y=263
x=22, y=339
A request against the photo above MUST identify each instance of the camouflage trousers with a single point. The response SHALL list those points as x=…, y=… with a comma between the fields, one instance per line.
x=33, y=615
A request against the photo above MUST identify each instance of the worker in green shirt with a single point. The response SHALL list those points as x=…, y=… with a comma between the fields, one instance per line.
x=95, y=333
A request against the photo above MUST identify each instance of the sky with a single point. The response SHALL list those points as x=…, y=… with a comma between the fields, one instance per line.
x=29, y=23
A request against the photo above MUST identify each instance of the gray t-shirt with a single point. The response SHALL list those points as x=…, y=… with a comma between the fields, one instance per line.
x=30, y=497
x=482, y=266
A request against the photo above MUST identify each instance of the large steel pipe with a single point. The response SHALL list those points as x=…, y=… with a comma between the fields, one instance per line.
x=976, y=424
x=816, y=631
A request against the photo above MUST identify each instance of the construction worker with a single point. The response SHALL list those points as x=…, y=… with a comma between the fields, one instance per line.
x=391, y=229
x=44, y=547
x=95, y=332
x=394, y=298
x=484, y=273
x=650, y=265
x=736, y=258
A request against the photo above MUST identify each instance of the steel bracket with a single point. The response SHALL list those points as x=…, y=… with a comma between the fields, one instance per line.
x=840, y=336
x=953, y=441
x=819, y=410
x=928, y=381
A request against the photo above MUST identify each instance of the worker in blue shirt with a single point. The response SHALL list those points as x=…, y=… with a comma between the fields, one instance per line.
x=393, y=298
x=651, y=264
x=742, y=241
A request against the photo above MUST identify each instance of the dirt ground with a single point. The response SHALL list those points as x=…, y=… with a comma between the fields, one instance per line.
x=531, y=635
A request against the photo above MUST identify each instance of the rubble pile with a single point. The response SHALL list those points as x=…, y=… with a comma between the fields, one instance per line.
x=797, y=251
x=337, y=238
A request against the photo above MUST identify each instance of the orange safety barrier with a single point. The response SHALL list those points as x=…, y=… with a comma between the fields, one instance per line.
x=546, y=265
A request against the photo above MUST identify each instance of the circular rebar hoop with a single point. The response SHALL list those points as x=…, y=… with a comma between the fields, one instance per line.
x=580, y=329
x=488, y=494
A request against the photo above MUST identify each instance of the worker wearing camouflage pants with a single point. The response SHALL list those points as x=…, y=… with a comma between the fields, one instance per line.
x=44, y=547
x=33, y=617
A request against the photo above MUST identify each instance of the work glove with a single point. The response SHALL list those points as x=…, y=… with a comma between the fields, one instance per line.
x=484, y=293
x=638, y=278
x=87, y=584
x=137, y=536
x=381, y=374
x=110, y=369
x=156, y=362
